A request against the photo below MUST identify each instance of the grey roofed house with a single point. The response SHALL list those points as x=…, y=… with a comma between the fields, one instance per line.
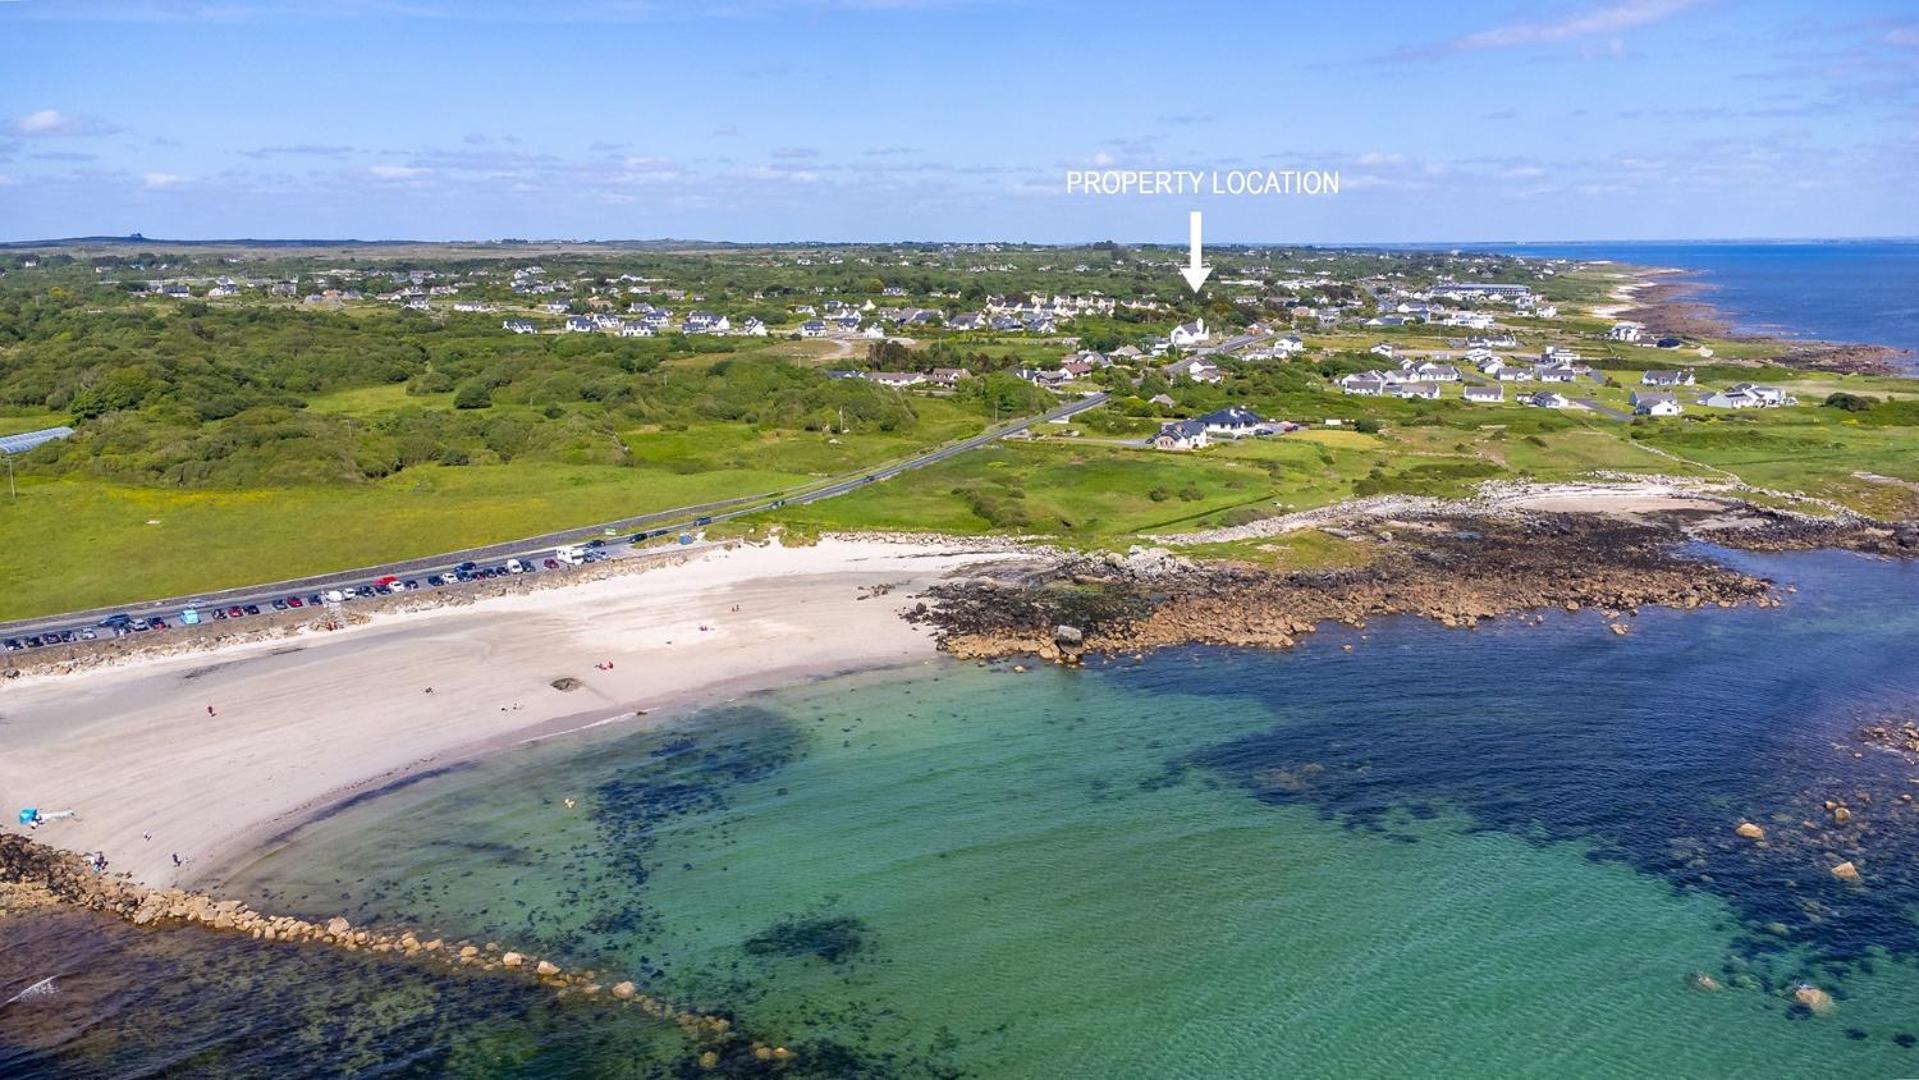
x=1428, y=390
x=1666, y=378
x=1232, y=420
x=1181, y=435
x=1655, y=404
x=1363, y=385
x=1484, y=393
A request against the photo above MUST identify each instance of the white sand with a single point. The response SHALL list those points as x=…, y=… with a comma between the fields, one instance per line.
x=302, y=724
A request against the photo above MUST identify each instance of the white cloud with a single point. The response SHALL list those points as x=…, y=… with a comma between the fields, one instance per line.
x=1609, y=19
x=158, y=180
x=52, y=123
x=397, y=172
x=1903, y=35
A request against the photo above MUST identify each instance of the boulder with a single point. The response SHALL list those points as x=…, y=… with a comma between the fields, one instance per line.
x=1705, y=983
x=1068, y=635
x=1845, y=871
x=1841, y=815
x=547, y=968
x=1750, y=831
x=338, y=927
x=1813, y=998
x=512, y=959
x=624, y=991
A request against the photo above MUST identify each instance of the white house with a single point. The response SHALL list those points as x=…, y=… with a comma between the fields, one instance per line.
x=1234, y=420
x=1547, y=399
x=1191, y=333
x=519, y=326
x=1195, y=369
x=1427, y=390
x=1484, y=394
x=1363, y=385
x=1654, y=403
x=1666, y=378
x=1625, y=331
x=1181, y=435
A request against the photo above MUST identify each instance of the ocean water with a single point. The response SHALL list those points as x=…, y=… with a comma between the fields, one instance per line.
x=1842, y=290
x=1499, y=852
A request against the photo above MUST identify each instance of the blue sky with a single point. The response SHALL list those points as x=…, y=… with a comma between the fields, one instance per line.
x=954, y=119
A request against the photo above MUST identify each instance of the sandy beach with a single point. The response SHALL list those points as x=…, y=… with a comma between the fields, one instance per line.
x=297, y=725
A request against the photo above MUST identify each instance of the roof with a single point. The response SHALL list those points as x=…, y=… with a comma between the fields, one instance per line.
x=28, y=440
x=1185, y=429
x=1231, y=416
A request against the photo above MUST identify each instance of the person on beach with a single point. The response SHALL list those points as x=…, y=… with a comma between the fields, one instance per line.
x=176, y=859
x=210, y=711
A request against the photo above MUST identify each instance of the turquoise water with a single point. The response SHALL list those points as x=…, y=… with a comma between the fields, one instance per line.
x=1501, y=852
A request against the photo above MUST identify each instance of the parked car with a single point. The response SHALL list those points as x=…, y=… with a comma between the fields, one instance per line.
x=158, y=623
x=279, y=605
x=552, y=564
x=253, y=609
x=435, y=580
x=708, y=520
x=87, y=634
x=294, y=601
x=411, y=584
x=14, y=644
x=220, y=614
x=117, y=622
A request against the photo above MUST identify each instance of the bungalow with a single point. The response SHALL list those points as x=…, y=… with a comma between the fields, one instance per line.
x=1385, y=349
x=580, y=324
x=1731, y=399
x=1510, y=373
x=519, y=326
x=705, y=322
x=1181, y=435
x=1289, y=346
x=812, y=328
x=1234, y=420
x=753, y=328
x=1191, y=333
x=949, y=376
x=896, y=379
x=1484, y=394
x=1655, y=404
x=1426, y=390
x=1164, y=401
x=1625, y=331
x=1363, y=385
x=1126, y=353
x=556, y=307
x=1432, y=372
x=1666, y=378
x=971, y=321
x=1546, y=399
x=636, y=328
x=1554, y=373
x=1769, y=396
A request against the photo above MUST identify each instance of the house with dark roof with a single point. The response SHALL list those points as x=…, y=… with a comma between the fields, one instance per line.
x=1181, y=435
x=1234, y=420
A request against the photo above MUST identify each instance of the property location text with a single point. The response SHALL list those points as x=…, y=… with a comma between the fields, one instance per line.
x=1202, y=182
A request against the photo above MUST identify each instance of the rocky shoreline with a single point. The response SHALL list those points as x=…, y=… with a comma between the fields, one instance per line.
x=33, y=875
x=1458, y=570
x=1680, y=309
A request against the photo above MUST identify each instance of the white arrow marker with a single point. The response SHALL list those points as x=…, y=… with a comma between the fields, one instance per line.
x=1194, y=273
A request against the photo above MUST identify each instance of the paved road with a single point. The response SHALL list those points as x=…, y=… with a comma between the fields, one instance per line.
x=1603, y=410
x=533, y=549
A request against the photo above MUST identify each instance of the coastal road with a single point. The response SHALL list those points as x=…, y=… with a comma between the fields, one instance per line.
x=532, y=549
